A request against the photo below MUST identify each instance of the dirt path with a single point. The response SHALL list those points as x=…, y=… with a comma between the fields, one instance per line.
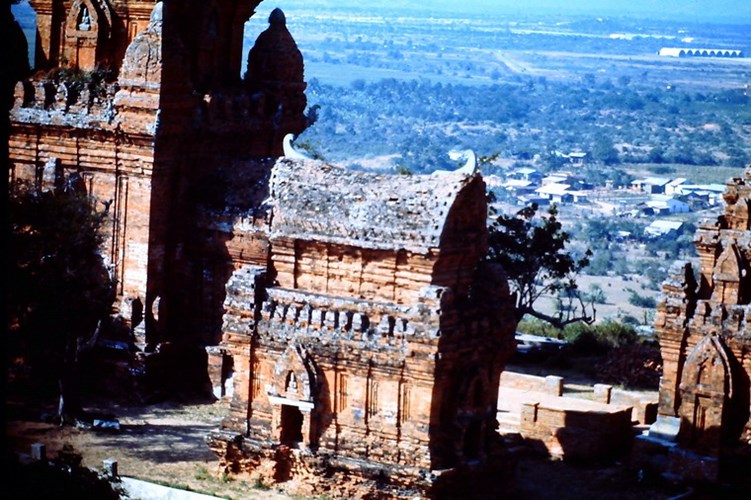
x=163, y=443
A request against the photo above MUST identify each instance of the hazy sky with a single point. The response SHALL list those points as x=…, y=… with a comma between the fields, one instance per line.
x=688, y=8
x=736, y=11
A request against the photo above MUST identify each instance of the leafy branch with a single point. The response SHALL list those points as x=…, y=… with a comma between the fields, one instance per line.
x=532, y=250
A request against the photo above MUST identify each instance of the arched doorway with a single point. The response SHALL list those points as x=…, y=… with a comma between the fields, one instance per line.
x=705, y=389
x=473, y=440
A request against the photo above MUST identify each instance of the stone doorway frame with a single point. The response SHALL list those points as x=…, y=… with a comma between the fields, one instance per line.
x=277, y=420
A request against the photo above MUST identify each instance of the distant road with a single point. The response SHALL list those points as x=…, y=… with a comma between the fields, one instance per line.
x=514, y=65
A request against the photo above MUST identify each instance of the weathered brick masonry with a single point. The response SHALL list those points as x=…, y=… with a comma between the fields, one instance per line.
x=375, y=337
x=177, y=111
x=362, y=331
x=704, y=329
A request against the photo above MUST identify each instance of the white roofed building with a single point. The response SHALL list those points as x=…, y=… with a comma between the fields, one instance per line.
x=660, y=228
x=650, y=185
x=667, y=204
x=556, y=193
x=694, y=52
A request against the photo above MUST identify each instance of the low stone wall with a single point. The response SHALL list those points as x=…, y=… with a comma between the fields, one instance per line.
x=644, y=408
x=552, y=385
x=579, y=431
x=569, y=427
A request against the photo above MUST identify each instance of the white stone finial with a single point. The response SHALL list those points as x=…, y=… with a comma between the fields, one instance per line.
x=157, y=15
x=290, y=152
x=469, y=167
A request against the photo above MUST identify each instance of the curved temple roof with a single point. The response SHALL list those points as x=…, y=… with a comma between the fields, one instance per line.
x=313, y=200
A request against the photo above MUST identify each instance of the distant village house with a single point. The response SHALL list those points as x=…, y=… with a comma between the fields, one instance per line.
x=663, y=228
x=650, y=185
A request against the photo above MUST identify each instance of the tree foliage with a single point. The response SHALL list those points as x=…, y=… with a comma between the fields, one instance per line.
x=532, y=250
x=60, y=287
x=417, y=122
x=62, y=477
x=604, y=150
x=641, y=301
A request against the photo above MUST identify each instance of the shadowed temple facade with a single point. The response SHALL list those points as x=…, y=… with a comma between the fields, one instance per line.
x=703, y=322
x=348, y=318
x=162, y=107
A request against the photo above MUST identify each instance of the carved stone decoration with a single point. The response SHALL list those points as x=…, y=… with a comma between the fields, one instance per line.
x=381, y=338
x=142, y=65
x=84, y=19
x=705, y=339
x=275, y=57
x=293, y=376
x=706, y=386
x=740, y=216
x=88, y=29
x=729, y=274
x=347, y=304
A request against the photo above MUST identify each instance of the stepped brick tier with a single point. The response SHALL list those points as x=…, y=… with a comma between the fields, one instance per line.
x=704, y=329
x=365, y=332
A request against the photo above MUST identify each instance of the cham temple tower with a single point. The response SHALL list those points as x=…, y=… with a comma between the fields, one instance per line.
x=143, y=100
x=370, y=338
x=703, y=323
x=348, y=317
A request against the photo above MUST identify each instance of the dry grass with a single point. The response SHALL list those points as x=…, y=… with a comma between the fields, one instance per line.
x=163, y=443
x=616, y=290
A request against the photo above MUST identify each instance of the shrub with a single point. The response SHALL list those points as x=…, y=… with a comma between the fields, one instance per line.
x=661, y=169
x=585, y=343
x=202, y=473
x=596, y=294
x=613, y=335
x=641, y=300
x=258, y=484
x=633, y=366
x=539, y=328
x=589, y=340
x=630, y=320
x=583, y=339
x=63, y=477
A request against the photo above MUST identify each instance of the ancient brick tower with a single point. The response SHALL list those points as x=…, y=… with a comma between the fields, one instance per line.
x=705, y=338
x=177, y=110
x=371, y=339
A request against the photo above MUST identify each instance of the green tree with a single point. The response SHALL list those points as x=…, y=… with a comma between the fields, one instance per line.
x=656, y=155
x=596, y=294
x=61, y=290
x=641, y=300
x=532, y=250
x=604, y=150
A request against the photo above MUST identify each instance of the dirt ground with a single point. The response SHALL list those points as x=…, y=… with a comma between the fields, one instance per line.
x=164, y=443
x=617, y=292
